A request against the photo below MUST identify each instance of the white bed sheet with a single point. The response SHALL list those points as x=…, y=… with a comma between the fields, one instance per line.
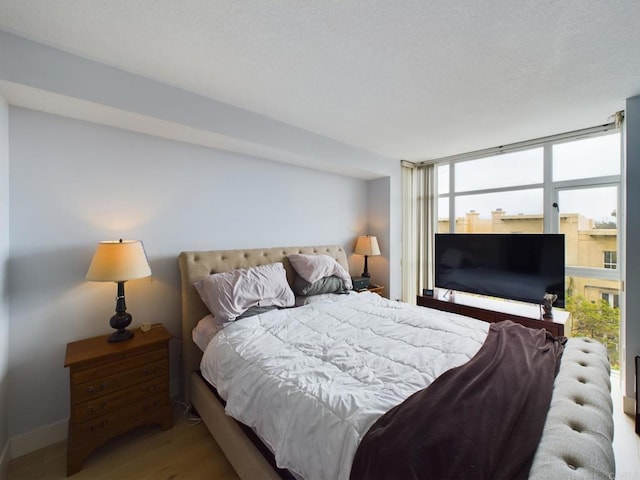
x=312, y=380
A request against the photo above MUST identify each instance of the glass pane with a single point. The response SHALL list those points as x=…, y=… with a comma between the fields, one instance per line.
x=587, y=158
x=502, y=212
x=443, y=215
x=589, y=223
x=507, y=170
x=443, y=178
x=595, y=313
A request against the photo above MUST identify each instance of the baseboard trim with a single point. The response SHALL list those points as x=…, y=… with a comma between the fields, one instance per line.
x=4, y=461
x=43, y=437
x=174, y=388
x=629, y=405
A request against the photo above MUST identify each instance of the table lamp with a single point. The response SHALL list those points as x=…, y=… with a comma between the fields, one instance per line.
x=367, y=245
x=119, y=261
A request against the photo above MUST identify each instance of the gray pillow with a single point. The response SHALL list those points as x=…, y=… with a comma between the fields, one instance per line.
x=257, y=311
x=330, y=284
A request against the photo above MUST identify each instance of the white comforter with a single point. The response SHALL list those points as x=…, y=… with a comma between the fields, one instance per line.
x=312, y=380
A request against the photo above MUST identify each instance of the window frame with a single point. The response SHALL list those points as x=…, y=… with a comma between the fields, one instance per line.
x=550, y=214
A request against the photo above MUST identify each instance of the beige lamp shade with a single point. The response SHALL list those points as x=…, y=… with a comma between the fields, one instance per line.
x=119, y=261
x=367, y=245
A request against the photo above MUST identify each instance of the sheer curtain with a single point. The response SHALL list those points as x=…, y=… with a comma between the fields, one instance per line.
x=418, y=210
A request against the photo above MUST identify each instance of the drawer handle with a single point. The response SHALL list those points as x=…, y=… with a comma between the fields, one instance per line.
x=151, y=388
x=92, y=389
x=92, y=410
x=99, y=426
x=149, y=371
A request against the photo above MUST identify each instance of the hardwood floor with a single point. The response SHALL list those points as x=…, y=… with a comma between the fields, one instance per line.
x=189, y=452
x=626, y=444
x=184, y=452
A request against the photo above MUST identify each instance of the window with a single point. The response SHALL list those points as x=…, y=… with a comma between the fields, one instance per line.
x=498, y=171
x=499, y=193
x=612, y=299
x=569, y=184
x=598, y=157
x=610, y=260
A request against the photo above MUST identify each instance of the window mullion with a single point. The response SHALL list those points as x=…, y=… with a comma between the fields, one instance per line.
x=452, y=197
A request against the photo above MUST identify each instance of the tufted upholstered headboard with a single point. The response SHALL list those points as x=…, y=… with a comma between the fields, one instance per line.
x=198, y=264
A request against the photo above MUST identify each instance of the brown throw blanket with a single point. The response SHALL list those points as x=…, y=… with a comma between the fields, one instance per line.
x=482, y=420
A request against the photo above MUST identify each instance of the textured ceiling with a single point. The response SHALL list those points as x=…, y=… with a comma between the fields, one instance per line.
x=405, y=79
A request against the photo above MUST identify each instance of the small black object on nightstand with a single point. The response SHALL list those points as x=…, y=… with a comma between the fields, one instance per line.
x=360, y=283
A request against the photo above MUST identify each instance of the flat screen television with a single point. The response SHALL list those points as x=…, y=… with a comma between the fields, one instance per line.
x=519, y=267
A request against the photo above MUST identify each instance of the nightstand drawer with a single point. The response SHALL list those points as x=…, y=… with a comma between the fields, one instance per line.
x=121, y=363
x=120, y=399
x=117, y=422
x=102, y=386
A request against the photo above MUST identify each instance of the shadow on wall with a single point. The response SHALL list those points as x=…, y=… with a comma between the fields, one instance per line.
x=5, y=286
x=47, y=275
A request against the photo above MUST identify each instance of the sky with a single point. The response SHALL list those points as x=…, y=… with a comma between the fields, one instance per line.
x=575, y=160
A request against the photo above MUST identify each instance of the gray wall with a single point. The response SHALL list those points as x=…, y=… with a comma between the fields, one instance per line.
x=4, y=259
x=631, y=334
x=379, y=226
x=44, y=78
x=74, y=183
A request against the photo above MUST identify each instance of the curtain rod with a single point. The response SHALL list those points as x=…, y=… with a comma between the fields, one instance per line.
x=522, y=145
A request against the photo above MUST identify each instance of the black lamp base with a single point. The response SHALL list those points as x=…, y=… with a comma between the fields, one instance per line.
x=120, y=336
x=121, y=320
x=366, y=273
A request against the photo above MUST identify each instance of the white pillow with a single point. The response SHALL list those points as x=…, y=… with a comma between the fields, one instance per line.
x=314, y=267
x=205, y=330
x=229, y=294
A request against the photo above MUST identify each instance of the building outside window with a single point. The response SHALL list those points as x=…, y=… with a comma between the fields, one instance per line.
x=610, y=259
x=612, y=299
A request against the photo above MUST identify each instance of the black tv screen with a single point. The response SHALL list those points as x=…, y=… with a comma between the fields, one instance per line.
x=514, y=266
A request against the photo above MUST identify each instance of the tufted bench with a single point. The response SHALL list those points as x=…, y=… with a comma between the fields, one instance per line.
x=577, y=439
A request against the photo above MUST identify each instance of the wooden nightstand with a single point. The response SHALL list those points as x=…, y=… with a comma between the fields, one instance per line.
x=116, y=387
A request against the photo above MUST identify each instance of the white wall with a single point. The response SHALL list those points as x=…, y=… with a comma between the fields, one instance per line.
x=75, y=183
x=4, y=301
x=631, y=334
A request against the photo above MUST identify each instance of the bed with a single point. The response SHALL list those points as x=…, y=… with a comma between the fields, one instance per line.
x=578, y=430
